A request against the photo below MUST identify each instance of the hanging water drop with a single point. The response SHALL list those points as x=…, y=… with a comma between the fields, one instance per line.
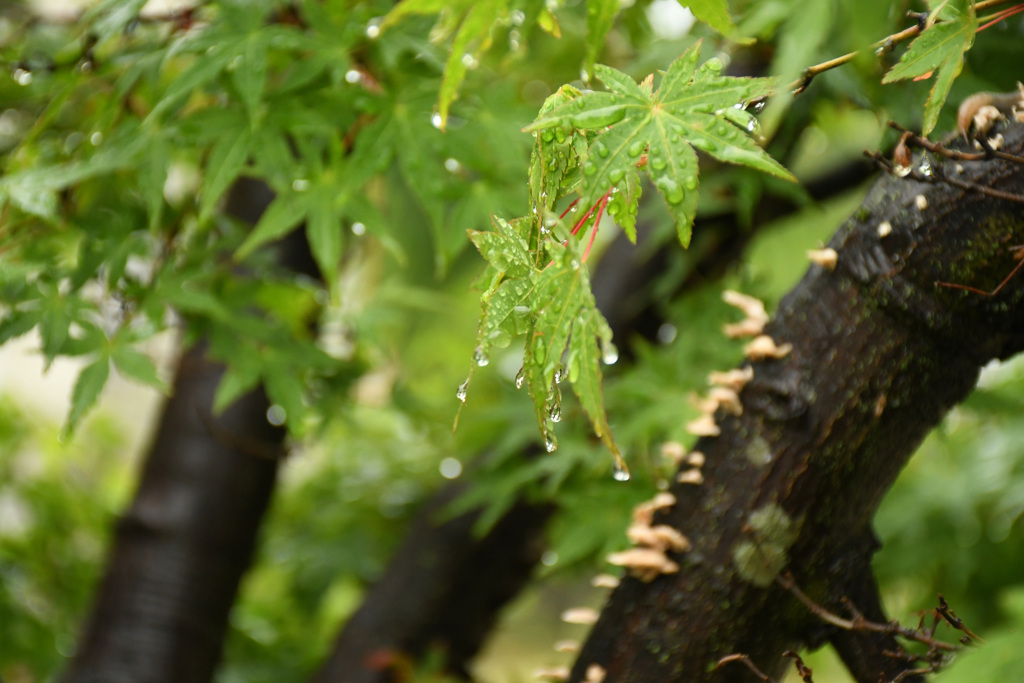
x=901, y=171
x=436, y=121
x=373, y=28
x=559, y=374
x=609, y=354
x=550, y=443
x=617, y=174
x=480, y=357
x=619, y=470
x=555, y=412
x=462, y=391
x=520, y=376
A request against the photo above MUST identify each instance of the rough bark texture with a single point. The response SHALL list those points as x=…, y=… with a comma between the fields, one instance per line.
x=880, y=354
x=161, y=611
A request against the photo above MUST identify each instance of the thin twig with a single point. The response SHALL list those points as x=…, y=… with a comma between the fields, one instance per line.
x=859, y=622
x=800, y=84
x=942, y=150
x=744, y=659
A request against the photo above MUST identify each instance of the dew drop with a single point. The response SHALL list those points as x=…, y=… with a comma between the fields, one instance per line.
x=690, y=183
x=617, y=175
x=480, y=357
x=462, y=391
x=452, y=165
x=469, y=61
x=520, y=377
x=550, y=443
x=436, y=121
x=636, y=149
x=589, y=168
x=584, y=76
x=752, y=125
x=358, y=229
x=925, y=167
x=601, y=149
x=96, y=139
x=658, y=164
x=574, y=264
x=555, y=412
x=559, y=374
x=517, y=17
x=300, y=184
x=353, y=76
x=672, y=191
x=373, y=28
x=619, y=471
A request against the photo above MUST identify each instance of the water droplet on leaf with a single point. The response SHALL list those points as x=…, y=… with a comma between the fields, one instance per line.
x=555, y=412
x=462, y=391
x=436, y=121
x=520, y=376
x=670, y=189
x=550, y=443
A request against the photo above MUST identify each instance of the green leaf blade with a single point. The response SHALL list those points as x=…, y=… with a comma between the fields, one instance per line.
x=87, y=390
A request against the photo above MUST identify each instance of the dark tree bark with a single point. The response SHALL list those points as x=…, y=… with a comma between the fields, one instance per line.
x=880, y=354
x=161, y=611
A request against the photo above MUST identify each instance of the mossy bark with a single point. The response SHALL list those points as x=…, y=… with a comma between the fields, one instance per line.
x=880, y=353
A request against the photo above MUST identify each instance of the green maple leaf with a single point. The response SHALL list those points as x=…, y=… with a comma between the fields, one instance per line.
x=692, y=108
x=940, y=48
x=553, y=305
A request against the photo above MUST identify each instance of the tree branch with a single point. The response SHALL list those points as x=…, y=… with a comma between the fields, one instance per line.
x=880, y=354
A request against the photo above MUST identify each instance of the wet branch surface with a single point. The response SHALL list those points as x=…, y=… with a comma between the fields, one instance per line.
x=880, y=353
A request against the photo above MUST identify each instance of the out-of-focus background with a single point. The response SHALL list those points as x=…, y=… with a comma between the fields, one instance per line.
x=952, y=524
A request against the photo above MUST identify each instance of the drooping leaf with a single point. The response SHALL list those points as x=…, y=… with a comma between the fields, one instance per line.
x=138, y=366
x=87, y=390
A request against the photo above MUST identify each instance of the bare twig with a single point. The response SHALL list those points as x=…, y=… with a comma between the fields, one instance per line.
x=745, y=660
x=942, y=150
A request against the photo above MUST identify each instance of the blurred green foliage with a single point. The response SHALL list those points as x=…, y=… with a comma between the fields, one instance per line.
x=120, y=139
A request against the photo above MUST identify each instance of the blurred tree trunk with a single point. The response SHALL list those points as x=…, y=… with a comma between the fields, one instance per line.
x=880, y=353
x=179, y=552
